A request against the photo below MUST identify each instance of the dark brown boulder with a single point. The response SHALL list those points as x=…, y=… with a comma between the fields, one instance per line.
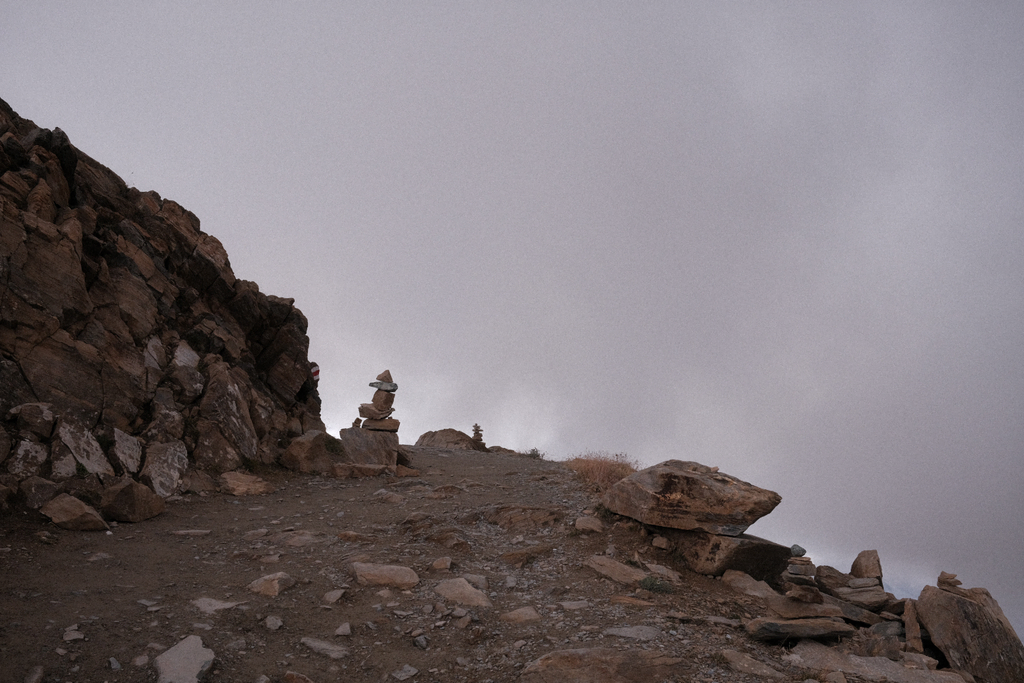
x=713, y=555
x=130, y=501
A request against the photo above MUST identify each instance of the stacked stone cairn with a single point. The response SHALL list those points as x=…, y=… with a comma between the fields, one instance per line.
x=478, y=435
x=377, y=413
x=800, y=571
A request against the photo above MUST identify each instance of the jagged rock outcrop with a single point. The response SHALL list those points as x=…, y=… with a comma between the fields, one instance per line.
x=127, y=344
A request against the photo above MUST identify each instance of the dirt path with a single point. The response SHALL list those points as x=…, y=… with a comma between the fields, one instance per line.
x=506, y=522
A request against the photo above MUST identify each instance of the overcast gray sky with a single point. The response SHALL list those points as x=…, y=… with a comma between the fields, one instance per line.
x=781, y=238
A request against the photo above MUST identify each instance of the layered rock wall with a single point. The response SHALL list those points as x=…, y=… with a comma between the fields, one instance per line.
x=125, y=332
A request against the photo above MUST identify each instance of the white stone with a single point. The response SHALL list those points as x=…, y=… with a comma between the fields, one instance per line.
x=210, y=606
x=322, y=647
x=405, y=673
x=186, y=662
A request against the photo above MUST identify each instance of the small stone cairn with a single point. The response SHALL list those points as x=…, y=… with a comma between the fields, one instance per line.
x=377, y=413
x=478, y=435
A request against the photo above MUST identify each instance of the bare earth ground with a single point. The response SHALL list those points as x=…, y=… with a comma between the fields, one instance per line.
x=131, y=591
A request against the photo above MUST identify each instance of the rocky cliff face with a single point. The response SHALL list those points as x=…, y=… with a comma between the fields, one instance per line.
x=127, y=345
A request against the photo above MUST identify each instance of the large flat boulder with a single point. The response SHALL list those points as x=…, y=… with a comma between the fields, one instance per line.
x=369, y=447
x=450, y=438
x=690, y=496
x=972, y=631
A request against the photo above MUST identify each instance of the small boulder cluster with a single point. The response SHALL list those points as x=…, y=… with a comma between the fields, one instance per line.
x=701, y=514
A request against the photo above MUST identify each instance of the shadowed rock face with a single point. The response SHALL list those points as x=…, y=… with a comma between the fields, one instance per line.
x=972, y=631
x=125, y=320
x=688, y=495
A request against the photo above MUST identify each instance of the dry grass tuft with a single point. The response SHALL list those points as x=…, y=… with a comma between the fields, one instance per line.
x=602, y=469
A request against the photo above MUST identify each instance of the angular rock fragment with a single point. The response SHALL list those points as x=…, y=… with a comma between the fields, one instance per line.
x=461, y=592
x=744, y=583
x=68, y=512
x=164, y=467
x=242, y=484
x=971, y=630
x=186, y=662
x=271, y=584
x=867, y=565
x=615, y=570
x=322, y=647
x=38, y=491
x=130, y=501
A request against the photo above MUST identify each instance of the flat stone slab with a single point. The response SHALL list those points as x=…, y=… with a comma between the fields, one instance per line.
x=461, y=592
x=634, y=632
x=68, y=512
x=615, y=570
x=322, y=647
x=773, y=630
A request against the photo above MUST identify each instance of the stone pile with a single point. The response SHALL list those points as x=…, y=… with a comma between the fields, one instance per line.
x=478, y=435
x=879, y=637
x=128, y=348
x=700, y=514
x=377, y=413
